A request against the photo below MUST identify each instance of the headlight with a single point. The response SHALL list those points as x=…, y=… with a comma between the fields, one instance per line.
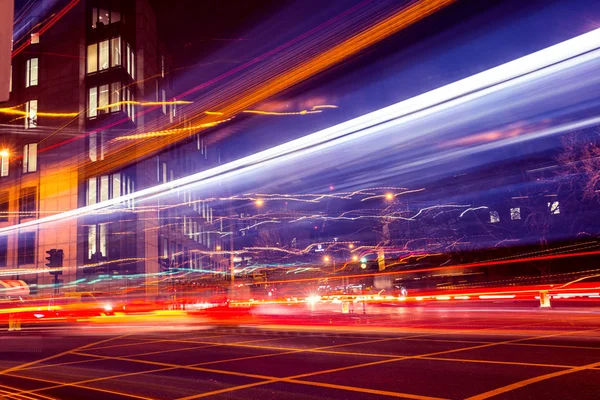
x=108, y=307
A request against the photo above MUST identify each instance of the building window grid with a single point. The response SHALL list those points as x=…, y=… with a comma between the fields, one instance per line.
x=4, y=165
x=26, y=248
x=105, y=54
x=105, y=99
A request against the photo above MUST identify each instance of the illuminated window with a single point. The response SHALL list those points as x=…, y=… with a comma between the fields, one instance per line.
x=30, y=158
x=102, y=16
x=115, y=48
x=104, y=189
x=164, y=99
x=31, y=110
x=35, y=38
x=162, y=66
x=103, y=99
x=554, y=207
x=116, y=185
x=92, y=58
x=26, y=251
x=105, y=54
x=5, y=163
x=515, y=213
x=115, y=96
x=31, y=72
x=93, y=102
x=97, y=239
x=103, y=57
x=130, y=61
x=91, y=191
x=494, y=217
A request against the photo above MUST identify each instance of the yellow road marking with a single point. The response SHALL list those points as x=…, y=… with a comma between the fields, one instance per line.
x=497, y=362
x=517, y=385
x=82, y=387
x=17, y=367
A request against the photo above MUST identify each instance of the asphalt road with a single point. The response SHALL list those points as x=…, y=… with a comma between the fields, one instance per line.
x=442, y=353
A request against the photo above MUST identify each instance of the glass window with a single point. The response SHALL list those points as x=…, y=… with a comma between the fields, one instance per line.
x=35, y=38
x=164, y=99
x=103, y=55
x=31, y=109
x=115, y=96
x=91, y=241
x=115, y=44
x=31, y=72
x=115, y=16
x=93, y=102
x=104, y=188
x=162, y=66
x=26, y=248
x=103, y=99
x=30, y=158
x=4, y=170
x=93, y=147
x=3, y=250
x=91, y=191
x=4, y=207
x=116, y=185
x=92, y=58
x=554, y=207
x=27, y=202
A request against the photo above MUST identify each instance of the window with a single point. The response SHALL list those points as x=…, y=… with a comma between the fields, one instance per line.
x=105, y=54
x=554, y=207
x=35, y=38
x=4, y=207
x=162, y=66
x=26, y=248
x=515, y=213
x=164, y=99
x=30, y=158
x=4, y=160
x=115, y=96
x=97, y=239
x=31, y=109
x=103, y=16
x=31, y=72
x=130, y=61
x=115, y=47
x=129, y=98
x=3, y=250
x=92, y=58
x=104, y=99
x=93, y=102
x=108, y=187
x=27, y=202
x=494, y=217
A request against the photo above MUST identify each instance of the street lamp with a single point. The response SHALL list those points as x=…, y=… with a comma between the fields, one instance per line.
x=389, y=196
x=351, y=246
x=4, y=153
x=218, y=248
x=259, y=202
x=354, y=258
x=326, y=259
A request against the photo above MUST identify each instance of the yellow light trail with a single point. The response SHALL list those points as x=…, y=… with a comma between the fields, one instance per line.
x=168, y=132
x=12, y=111
x=290, y=77
x=143, y=103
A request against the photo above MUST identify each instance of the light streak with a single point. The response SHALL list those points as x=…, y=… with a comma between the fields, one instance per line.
x=168, y=132
x=12, y=111
x=472, y=209
x=549, y=60
x=303, y=112
x=143, y=103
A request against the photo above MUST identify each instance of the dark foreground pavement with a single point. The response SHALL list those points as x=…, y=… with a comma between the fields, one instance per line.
x=442, y=353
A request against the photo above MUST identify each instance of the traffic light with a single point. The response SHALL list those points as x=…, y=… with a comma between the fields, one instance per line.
x=55, y=260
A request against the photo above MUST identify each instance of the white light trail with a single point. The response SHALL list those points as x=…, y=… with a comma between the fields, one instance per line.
x=470, y=88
